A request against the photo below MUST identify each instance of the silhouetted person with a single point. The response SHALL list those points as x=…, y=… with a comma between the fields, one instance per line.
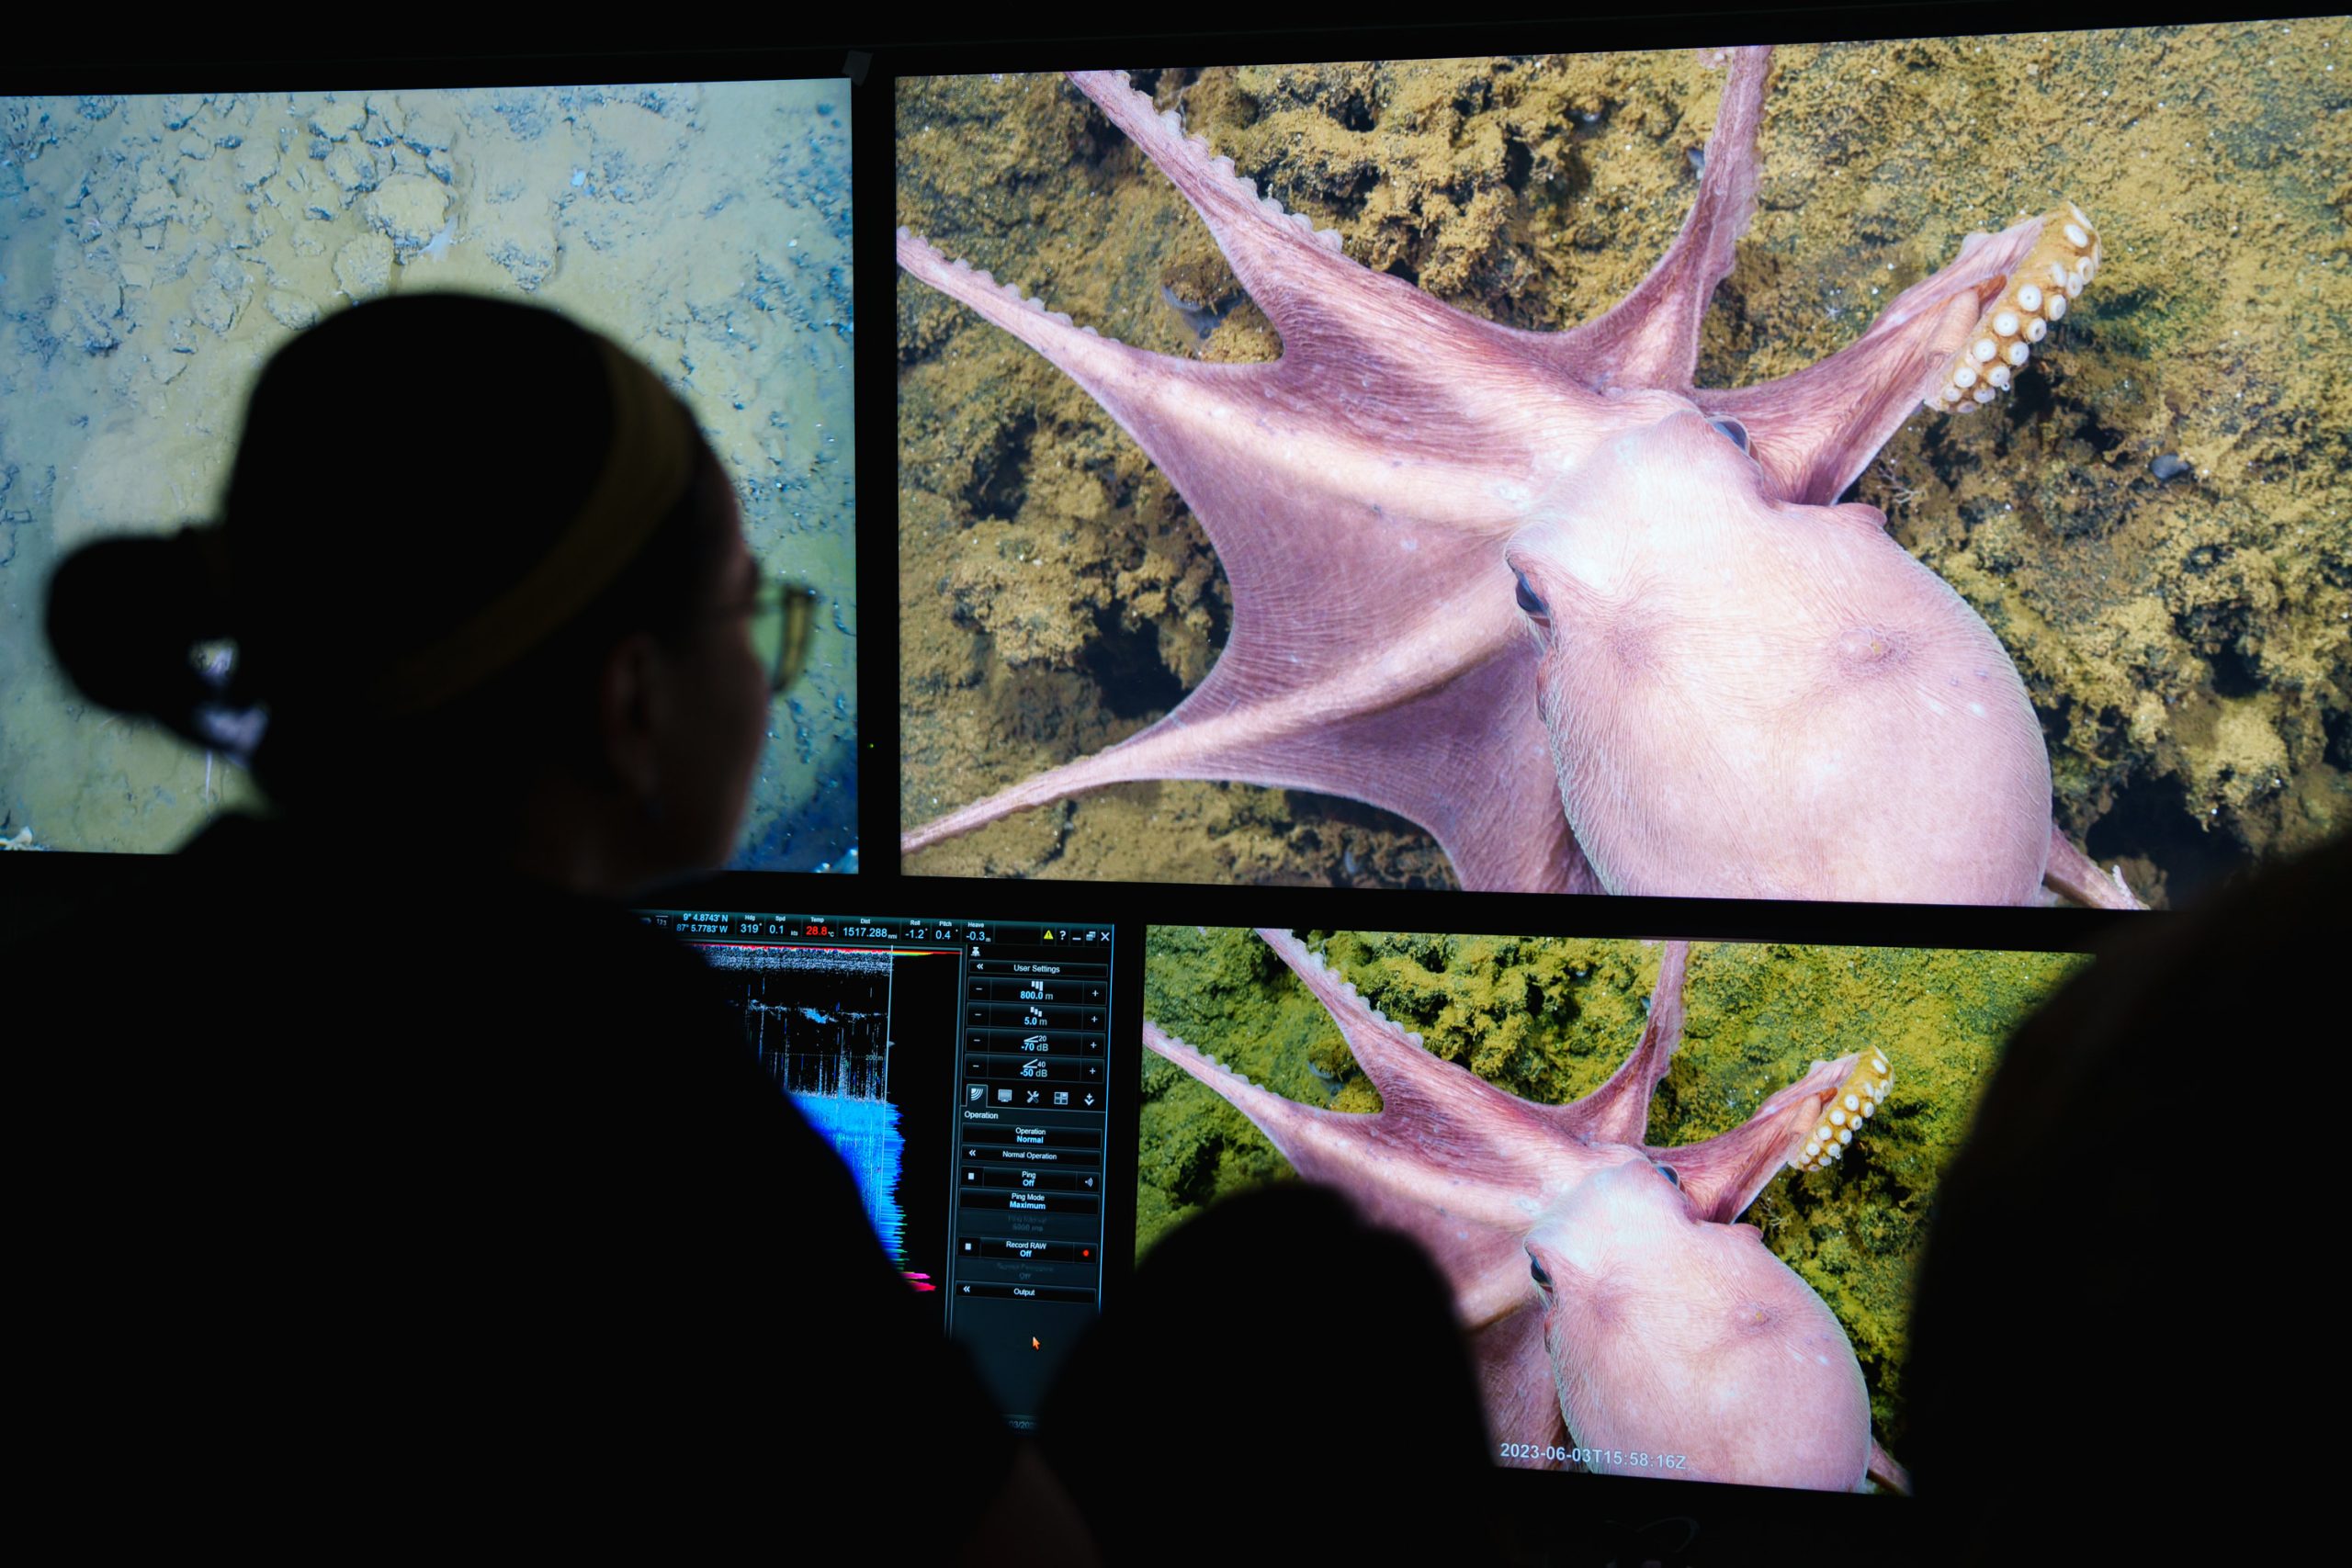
x=1281, y=1383
x=2117, y=1348
x=390, y=1179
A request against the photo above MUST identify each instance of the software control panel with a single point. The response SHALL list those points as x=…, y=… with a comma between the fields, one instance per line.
x=962, y=1069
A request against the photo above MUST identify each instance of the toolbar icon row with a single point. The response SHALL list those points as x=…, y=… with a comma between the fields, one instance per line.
x=978, y=1094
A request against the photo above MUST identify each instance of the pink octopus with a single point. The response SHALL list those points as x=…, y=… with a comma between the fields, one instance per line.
x=1593, y=626
x=1622, y=1322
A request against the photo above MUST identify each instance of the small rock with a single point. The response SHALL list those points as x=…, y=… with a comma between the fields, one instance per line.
x=88, y=305
x=255, y=163
x=363, y=267
x=430, y=127
x=529, y=258
x=154, y=202
x=410, y=208
x=337, y=121
x=352, y=168
x=223, y=294
x=215, y=307
x=290, y=311
x=386, y=109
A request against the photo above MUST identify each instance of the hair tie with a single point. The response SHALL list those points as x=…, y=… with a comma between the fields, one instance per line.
x=647, y=468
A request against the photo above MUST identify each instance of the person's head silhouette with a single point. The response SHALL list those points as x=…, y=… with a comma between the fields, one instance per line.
x=487, y=583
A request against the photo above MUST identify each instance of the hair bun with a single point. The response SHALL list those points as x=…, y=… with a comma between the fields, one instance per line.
x=123, y=615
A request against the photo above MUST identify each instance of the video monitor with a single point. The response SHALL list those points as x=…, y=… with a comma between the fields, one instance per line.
x=1891, y=470
x=156, y=249
x=1679, y=1188
x=964, y=1069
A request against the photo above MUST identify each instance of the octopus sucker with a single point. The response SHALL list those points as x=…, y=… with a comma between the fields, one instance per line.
x=1853, y=1102
x=2066, y=254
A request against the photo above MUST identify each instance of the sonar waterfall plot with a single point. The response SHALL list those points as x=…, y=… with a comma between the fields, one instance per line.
x=819, y=1020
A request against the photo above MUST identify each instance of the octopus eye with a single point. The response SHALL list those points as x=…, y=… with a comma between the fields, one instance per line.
x=1535, y=1271
x=1530, y=602
x=1668, y=1172
x=1733, y=431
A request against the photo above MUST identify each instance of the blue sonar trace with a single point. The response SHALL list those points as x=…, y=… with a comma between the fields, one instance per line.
x=865, y=1134
x=818, y=1019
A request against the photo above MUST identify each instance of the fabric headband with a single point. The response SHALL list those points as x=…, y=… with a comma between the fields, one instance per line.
x=647, y=468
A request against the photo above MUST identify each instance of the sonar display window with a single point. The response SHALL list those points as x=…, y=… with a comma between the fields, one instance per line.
x=962, y=1070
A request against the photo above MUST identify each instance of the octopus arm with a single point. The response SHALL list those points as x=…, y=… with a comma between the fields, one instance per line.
x=1455, y=1194
x=1360, y=336
x=1386, y=678
x=1650, y=338
x=1816, y=430
x=1251, y=723
x=2077, y=876
x=1295, y=273
x=1722, y=1175
x=1884, y=1471
x=1618, y=1111
x=1413, y=1084
x=1954, y=340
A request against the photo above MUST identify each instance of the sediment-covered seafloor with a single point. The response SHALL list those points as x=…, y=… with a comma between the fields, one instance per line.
x=154, y=251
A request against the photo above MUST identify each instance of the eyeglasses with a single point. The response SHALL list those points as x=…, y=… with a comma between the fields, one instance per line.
x=782, y=616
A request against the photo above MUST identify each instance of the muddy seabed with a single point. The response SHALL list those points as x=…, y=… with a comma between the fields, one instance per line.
x=1550, y=1020
x=2184, y=638
x=155, y=251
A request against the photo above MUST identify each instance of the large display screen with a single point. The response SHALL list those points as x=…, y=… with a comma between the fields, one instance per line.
x=1679, y=1188
x=156, y=249
x=1893, y=470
